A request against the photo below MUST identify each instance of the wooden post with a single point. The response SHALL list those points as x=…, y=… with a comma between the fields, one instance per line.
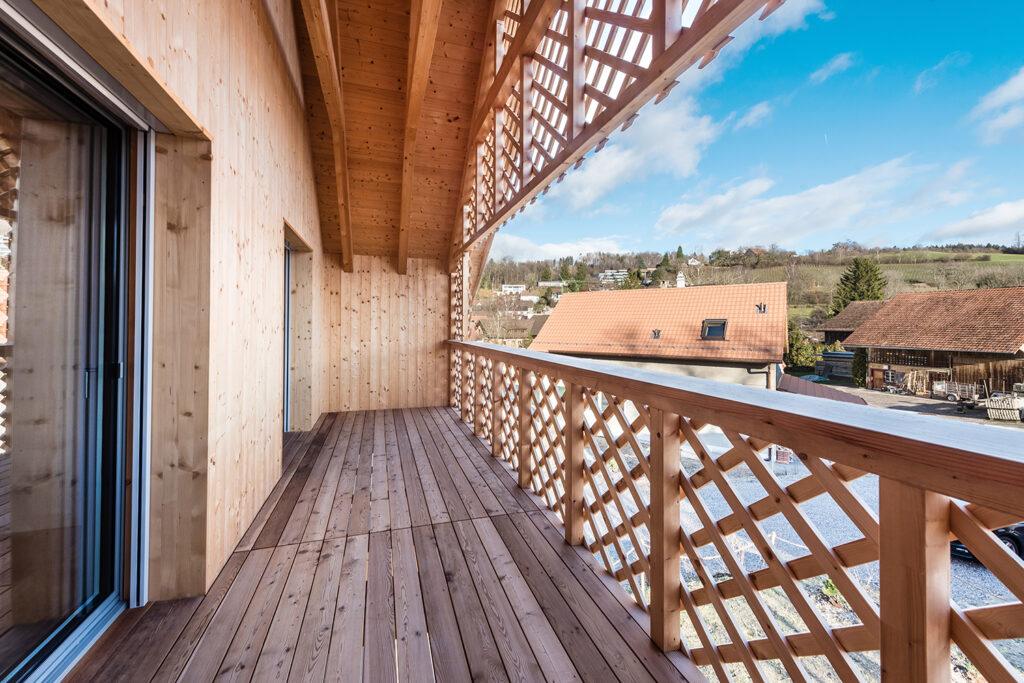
x=573, y=464
x=665, y=581
x=914, y=575
x=525, y=116
x=667, y=16
x=467, y=383
x=497, y=407
x=574, y=65
x=479, y=382
x=499, y=155
x=525, y=443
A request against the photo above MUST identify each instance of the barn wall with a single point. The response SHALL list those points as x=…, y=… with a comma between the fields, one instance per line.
x=387, y=334
x=233, y=65
x=999, y=375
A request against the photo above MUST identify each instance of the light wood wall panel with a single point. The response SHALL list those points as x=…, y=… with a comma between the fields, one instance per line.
x=375, y=339
x=181, y=368
x=387, y=334
x=232, y=63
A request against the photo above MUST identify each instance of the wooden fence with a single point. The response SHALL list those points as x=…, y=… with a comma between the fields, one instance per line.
x=654, y=474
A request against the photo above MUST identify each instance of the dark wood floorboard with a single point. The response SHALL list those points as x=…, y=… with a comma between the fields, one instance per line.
x=393, y=547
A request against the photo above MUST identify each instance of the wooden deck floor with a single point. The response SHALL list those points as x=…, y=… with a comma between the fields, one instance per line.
x=394, y=547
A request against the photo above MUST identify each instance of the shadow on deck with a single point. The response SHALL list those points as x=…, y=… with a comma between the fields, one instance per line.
x=394, y=546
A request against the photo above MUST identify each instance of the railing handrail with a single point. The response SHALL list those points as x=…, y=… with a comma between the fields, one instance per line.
x=907, y=447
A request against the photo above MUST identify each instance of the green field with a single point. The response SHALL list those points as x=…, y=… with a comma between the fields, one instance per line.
x=811, y=285
x=1008, y=258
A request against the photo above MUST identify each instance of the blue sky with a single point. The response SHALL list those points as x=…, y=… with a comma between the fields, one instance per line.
x=883, y=122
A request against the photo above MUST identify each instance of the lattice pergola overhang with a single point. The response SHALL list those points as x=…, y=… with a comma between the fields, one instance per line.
x=563, y=76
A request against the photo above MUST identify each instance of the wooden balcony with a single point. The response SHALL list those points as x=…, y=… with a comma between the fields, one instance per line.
x=394, y=539
x=582, y=521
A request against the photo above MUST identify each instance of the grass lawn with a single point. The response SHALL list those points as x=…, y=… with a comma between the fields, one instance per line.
x=800, y=311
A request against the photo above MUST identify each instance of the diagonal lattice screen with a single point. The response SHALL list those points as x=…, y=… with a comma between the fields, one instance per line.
x=778, y=544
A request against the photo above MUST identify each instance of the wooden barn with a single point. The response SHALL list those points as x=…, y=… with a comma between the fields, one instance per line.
x=243, y=432
x=963, y=336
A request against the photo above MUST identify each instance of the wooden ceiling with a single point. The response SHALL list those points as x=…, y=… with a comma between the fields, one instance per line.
x=433, y=122
x=384, y=117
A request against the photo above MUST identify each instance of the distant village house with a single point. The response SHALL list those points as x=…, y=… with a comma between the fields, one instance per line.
x=514, y=332
x=729, y=333
x=840, y=327
x=967, y=336
x=513, y=289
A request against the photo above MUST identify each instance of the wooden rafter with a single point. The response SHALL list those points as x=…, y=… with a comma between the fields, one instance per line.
x=422, y=33
x=322, y=46
x=587, y=108
x=488, y=69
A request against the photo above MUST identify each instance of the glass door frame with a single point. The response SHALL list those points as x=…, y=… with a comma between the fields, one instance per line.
x=28, y=33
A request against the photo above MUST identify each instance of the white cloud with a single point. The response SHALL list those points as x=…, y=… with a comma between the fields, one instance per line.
x=952, y=188
x=1008, y=93
x=993, y=129
x=523, y=249
x=838, y=64
x=929, y=78
x=1001, y=110
x=669, y=138
x=995, y=223
x=754, y=116
x=746, y=214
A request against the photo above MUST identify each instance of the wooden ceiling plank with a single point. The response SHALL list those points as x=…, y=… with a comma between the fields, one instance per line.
x=316, y=18
x=422, y=35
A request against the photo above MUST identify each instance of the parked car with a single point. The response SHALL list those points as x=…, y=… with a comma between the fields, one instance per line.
x=1011, y=536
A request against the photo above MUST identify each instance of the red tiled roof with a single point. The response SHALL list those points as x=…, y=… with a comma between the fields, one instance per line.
x=974, y=320
x=621, y=322
x=851, y=317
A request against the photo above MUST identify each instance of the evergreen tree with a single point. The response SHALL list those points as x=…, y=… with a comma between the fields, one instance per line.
x=862, y=281
x=679, y=253
x=859, y=369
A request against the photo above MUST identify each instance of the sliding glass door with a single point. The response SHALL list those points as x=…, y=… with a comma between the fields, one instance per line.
x=61, y=350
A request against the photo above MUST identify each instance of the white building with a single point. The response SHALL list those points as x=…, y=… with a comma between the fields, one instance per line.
x=612, y=276
x=552, y=284
x=513, y=289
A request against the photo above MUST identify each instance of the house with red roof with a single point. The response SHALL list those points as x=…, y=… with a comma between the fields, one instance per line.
x=730, y=333
x=966, y=336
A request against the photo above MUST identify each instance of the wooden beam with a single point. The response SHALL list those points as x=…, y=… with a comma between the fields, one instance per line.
x=485, y=77
x=706, y=34
x=113, y=52
x=316, y=18
x=574, y=464
x=914, y=571
x=422, y=35
x=528, y=36
x=665, y=572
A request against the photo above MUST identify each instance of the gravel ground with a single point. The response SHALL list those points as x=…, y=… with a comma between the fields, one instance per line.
x=972, y=584
x=925, y=406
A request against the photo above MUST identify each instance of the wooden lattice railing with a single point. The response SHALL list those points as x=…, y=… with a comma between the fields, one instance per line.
x=834, y=565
